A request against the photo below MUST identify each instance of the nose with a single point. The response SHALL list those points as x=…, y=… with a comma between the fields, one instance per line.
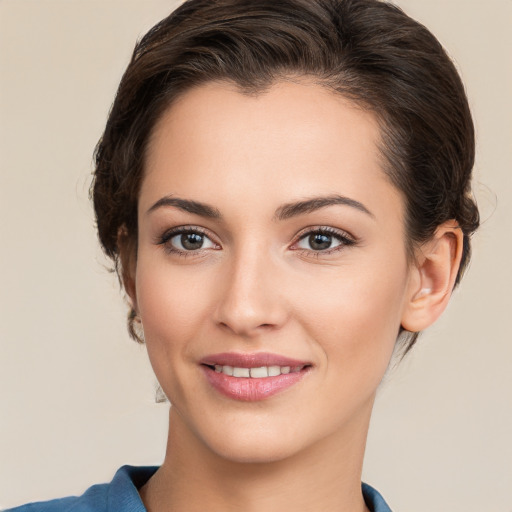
x=251, y=298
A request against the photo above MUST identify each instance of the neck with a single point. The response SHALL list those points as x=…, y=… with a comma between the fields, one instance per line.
x=326, y=476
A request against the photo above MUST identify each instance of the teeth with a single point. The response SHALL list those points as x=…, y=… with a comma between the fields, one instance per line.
x=256, y=373
x=273, y=371
x=241, y=372
x=228, y=370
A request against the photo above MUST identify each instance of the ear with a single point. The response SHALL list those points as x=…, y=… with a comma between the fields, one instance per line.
x=432, y=277
x=127, y=247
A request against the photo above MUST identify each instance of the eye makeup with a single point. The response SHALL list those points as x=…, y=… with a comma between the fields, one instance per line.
x=194, y=241
x=318, y=237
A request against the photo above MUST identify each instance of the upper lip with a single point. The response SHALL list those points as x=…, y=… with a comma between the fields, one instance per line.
x=254, y=360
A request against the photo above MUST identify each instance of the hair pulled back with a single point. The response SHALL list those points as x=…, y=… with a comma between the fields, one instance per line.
x=366, y=50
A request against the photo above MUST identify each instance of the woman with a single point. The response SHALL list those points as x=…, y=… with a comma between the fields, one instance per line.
x=284, y=188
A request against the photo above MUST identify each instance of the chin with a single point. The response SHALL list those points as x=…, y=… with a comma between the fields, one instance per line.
x=254, y=450
x=245, y=438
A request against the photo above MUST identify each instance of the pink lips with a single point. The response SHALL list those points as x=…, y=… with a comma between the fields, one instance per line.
x=248, y=388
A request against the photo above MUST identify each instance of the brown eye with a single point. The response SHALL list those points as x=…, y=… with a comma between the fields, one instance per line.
x=319, y=241
x=190, y=241
x=186, y=240
x=324, y=240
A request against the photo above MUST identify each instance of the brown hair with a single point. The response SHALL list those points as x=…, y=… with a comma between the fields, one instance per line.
x=366, y=50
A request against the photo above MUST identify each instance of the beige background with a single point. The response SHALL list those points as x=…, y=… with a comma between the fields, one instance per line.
x=77, y=397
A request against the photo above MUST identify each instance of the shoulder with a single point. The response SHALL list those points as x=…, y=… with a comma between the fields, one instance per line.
x=94, y=499
x=374, y=501
x=120, y=495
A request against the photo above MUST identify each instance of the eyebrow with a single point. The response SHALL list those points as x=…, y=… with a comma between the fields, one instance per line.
x=289, y=210
x=202, y=209
x=284, y=212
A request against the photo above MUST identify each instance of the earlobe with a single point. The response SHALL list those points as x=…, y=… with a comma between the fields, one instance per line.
x=433, y=277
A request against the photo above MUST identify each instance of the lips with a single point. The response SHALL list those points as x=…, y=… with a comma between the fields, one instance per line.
x=252, y=377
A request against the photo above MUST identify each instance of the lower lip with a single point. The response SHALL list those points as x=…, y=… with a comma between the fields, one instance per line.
x=247, y=389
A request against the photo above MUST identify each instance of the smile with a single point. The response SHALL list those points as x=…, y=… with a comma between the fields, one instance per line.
x=252, y=377
x=256, y=373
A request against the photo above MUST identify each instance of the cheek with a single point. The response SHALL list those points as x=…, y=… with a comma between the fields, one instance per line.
x=355, y=314
x=171, y=302
x=173, y=306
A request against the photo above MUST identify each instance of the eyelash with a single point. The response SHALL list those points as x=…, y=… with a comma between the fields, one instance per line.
x=344, y=238
x=182, y=230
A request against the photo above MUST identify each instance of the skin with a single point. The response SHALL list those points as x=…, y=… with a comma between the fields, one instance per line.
x=258, y=285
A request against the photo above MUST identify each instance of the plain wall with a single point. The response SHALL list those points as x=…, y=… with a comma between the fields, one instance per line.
x=77, y=396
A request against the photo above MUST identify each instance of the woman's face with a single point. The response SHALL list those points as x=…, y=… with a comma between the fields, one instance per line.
x=269, y=238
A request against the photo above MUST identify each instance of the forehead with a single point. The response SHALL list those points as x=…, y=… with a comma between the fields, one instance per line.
x=296, y=139
x=287, y=113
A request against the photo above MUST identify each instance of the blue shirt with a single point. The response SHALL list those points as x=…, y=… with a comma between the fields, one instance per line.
x=121, y=495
